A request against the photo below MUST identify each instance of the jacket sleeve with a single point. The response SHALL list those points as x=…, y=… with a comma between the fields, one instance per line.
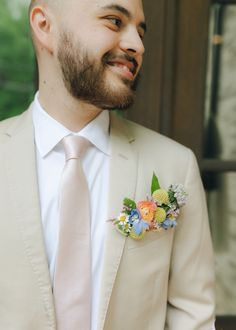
x=191, y=282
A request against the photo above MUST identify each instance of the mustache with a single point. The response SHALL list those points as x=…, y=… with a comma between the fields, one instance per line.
x=110, y=57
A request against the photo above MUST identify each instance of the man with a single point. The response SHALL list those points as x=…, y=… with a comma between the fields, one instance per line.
x=89, y=54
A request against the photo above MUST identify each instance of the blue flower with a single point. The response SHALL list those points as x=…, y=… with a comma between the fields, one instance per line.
x=138, y=224
x=135, y=215
x=169, y=224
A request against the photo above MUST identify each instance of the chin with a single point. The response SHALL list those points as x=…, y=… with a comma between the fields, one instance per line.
x=119, y=87
x=120, y=101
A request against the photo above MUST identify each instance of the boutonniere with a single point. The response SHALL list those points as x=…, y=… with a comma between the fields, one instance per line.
x=160, y=212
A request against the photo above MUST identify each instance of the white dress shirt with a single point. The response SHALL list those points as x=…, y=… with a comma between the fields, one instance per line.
x=50, y=164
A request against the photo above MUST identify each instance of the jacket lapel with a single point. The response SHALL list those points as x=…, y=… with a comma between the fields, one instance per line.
x=22, y=178
x=122, y=183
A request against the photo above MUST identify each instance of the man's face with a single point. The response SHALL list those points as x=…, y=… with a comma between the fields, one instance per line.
x=100, y=50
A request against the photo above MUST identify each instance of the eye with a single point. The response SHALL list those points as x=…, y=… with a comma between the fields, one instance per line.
x=117, y=22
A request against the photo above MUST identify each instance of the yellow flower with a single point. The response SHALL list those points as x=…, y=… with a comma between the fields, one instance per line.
x=160, y=196
x=160, y=215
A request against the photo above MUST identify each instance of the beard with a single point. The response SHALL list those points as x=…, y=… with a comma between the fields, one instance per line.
x=86, y=79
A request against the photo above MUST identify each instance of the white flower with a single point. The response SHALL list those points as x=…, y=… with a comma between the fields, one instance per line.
x=179, y=194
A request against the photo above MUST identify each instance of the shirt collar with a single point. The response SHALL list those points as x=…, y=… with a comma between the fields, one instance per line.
x=49, y=132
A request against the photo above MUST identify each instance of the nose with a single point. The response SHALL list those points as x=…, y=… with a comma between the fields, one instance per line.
x=132, y=43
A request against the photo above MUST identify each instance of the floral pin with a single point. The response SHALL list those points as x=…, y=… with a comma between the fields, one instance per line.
x=158, y=213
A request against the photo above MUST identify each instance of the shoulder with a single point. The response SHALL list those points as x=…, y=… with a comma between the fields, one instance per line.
x=14, y=124
x=157, y=153
x=146, y=139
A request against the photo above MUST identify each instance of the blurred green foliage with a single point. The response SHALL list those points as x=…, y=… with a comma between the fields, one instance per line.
x=17, y=62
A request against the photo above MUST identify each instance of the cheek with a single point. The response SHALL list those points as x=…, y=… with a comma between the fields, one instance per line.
x=103, y=41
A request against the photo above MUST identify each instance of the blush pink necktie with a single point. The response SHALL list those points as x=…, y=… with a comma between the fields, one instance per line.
x=72, y=280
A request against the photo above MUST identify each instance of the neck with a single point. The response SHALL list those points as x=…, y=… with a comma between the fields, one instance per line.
x=59, y=104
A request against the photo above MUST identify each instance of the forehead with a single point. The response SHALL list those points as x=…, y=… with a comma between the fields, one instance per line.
x=134, y=7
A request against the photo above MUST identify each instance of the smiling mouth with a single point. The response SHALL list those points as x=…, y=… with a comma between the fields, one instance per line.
x=126, y=68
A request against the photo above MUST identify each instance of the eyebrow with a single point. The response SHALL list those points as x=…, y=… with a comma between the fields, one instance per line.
x=125, y=12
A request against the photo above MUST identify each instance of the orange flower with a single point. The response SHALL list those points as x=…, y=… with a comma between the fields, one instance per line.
x=147, y=210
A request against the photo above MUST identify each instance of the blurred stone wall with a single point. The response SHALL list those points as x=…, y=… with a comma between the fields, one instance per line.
x=222, y=200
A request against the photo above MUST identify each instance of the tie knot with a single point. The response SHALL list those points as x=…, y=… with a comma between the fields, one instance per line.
x=74, y=146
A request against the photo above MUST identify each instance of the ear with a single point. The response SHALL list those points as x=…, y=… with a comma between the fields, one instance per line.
x=41, y=24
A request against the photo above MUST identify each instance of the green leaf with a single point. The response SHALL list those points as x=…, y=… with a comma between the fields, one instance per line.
x=171, y=196
x=129, y=203
x=155, y=183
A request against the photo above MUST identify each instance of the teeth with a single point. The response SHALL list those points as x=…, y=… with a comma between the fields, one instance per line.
x=122, y=66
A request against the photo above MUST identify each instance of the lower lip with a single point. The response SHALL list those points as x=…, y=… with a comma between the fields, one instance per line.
x=127, y=74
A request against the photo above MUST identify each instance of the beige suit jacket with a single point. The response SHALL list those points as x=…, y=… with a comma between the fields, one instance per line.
x=164, y=281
